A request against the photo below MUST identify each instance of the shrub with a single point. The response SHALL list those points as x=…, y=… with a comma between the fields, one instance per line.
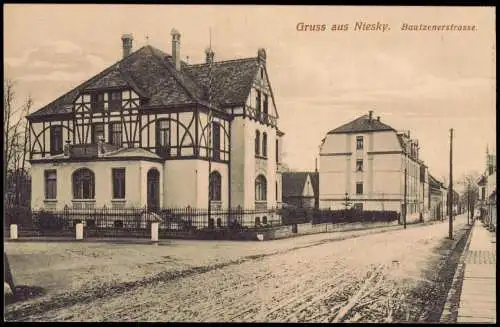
x=51, y=221
x=21, y=216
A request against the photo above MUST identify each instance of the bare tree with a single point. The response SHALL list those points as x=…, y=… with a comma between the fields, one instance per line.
x=15, y=128
x=470, y=193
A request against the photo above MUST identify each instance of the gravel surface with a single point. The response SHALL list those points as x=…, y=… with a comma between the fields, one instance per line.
x=376, y=277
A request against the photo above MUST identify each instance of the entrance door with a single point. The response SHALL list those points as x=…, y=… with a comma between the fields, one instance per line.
x=153, y=189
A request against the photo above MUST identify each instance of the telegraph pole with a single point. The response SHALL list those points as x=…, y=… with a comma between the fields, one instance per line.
x=209, y=125
x=405, y=204
x=450, y=191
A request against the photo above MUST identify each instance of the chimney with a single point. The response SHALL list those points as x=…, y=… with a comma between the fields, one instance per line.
x=261, y=55
x=378, y=118
x=370, y=115
x=209, y=55
x=176, y=48
x=127, y=44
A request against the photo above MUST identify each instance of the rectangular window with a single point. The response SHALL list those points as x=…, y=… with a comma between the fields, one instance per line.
x=163, y=137
x=359, y=188
x=56, y=140
x=257, y=143
x=116, y=100
x=258, y=104
x=277, y=152
x=359, y=165
x=359, y=142
x=358, y=206
x=216, y=141
x=97, y=132
x=483, y=193
x=266, y=97
x=118, y=183
x=98, y=102
x=115, y=134
x=264, y=145
x=50, y=184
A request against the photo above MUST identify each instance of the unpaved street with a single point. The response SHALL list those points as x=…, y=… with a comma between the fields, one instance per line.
x=375, y=277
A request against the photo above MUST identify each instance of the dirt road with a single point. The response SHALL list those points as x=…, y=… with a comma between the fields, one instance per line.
x=393, y=276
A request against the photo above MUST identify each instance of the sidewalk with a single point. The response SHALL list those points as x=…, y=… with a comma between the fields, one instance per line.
x=478, y=296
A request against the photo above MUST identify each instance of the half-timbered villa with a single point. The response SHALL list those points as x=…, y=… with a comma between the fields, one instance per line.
x=152, y=130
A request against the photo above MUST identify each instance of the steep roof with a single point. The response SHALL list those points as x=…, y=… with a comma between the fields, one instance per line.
x=152, y=74
x=293, y=183
x=362, y=124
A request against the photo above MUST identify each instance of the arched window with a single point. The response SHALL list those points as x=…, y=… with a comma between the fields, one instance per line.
x=264, y=144
x=260, y=188
x=214, y=191
x=257, y=143
x=83, y=184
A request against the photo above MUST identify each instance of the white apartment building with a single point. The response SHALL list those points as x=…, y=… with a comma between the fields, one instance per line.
x=365, y=161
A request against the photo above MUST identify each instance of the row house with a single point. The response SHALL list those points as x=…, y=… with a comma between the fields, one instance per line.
x=488, y=192
x=154, y=131
x=368, y=162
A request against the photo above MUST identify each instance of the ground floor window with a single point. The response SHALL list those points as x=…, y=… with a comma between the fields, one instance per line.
x=83, y=184
x=260, y=188
x=118, y=179
x=214, y=191
x=50, y=184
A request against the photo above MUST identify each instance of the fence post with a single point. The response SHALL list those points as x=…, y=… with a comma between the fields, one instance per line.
x=154, y=232
x=13, y=231
x=79, y=231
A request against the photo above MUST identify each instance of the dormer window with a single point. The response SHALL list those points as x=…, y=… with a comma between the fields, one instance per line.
x=116, y=100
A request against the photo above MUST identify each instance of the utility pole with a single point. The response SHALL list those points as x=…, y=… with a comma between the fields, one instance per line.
x=468, y=204
x=450, y=191
x=209, y=126
x=405, y=204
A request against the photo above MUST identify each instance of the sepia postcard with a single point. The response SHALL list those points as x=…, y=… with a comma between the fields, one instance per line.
x=249, y=163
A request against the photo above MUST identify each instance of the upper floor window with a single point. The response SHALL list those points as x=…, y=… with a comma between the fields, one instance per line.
x=214, y=191
x=163, y=137
x=264, y=144
x=483, y=193
x=359, y=142
x=258, y=103
x=115, y=133
x=97, y=132
x=83, y=184
x=116, y=100
x=260, y=188
x=277, y=151
x=56, y=140
x=50, y=184
x=266, y=104
x=118, y=179
x=359, y=188
x=99, y=101
x=216, y=141
x=358, y=206
x=257, y=143
x=359, y=165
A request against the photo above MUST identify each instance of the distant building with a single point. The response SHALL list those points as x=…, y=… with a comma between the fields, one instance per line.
x=301, y=189
x=437, y=198
x=488, y=192
x=367, y=159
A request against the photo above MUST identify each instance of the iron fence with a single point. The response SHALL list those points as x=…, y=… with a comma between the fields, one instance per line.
x=174, y=222
x=137, y=221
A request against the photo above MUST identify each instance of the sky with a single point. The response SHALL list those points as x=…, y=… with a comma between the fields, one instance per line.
x=423, y=81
